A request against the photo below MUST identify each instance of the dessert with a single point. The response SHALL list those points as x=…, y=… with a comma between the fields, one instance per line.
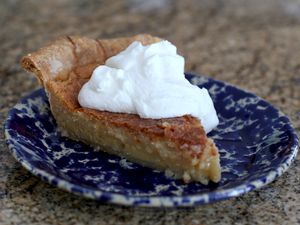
x=177, y=144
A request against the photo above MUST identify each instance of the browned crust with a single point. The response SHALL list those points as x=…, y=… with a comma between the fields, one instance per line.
x=65, y=65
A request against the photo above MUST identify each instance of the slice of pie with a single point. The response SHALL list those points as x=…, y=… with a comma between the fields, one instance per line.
x=177, y=145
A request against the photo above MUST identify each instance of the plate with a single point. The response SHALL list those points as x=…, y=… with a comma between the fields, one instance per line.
x=256, y=142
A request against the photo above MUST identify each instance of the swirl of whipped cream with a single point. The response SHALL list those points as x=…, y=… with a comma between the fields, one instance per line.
x=148, y=81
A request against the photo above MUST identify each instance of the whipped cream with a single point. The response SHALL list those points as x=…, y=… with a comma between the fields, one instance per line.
x=148, y=81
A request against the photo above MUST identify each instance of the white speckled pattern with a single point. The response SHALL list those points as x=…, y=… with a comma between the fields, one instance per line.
x=256, y=142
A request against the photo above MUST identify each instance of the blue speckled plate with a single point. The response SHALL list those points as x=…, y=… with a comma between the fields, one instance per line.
x=257, y=144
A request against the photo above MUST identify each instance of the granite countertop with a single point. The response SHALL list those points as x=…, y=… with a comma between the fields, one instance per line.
x=251, y=44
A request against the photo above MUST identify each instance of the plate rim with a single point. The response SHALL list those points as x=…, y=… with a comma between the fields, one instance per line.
x=159, y=201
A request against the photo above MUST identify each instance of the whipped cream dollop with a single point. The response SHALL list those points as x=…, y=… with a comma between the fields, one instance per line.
x=148, y=81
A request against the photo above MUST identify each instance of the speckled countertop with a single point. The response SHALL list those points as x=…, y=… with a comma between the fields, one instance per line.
x=251, y=44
